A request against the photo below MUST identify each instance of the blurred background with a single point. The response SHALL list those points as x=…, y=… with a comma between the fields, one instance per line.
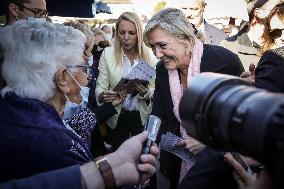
x=95, y=13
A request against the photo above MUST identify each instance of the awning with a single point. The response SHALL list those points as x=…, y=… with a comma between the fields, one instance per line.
x=70, y=8
x=2, y=11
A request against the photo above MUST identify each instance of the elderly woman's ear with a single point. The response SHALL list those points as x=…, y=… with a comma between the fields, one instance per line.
x=62, y=80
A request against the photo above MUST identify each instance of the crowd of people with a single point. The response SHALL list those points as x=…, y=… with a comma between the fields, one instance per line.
x=64, y=124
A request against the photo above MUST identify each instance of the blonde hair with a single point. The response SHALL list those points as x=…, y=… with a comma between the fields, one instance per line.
x=174, y=22
x=142, y=50
x=267, y=36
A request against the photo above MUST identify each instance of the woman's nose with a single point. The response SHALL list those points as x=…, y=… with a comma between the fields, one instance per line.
x=126, y=37
x=158, y=53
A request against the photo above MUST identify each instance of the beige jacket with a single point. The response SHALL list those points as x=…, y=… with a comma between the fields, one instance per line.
x=110, y=74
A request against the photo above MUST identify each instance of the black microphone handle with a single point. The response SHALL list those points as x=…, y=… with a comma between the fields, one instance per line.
x=147, y=146
x=145, y=150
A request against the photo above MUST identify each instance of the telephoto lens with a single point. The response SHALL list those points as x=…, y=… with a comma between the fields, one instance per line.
x=226, y=113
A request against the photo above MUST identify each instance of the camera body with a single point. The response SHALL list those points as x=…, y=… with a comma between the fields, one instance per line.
x=224, y=112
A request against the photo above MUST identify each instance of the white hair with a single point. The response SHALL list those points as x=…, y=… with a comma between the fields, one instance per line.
x=173, y=21
x=33, y=51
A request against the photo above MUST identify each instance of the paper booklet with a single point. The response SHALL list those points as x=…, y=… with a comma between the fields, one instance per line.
x=168, y=142
x=142, y=73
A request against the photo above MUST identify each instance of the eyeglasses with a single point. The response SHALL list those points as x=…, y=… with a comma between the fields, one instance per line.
x=276, y=33
x=86, y=69
x=38, y=13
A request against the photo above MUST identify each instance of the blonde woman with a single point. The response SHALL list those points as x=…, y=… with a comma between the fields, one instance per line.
x=116, y=62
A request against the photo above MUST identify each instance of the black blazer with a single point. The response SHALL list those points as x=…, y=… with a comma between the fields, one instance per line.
x=215, y=59
x=269, y=73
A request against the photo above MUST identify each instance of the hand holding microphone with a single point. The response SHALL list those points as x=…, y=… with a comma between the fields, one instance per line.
x=152, y=127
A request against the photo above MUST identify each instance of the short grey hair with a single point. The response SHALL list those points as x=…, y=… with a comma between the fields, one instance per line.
x=84, y=29
x=105, y=27
x=173, y=21
x=33, y=52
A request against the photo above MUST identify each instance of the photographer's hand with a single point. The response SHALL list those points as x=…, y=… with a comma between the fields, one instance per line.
x=249, y=76
x=192, y=145
x=244, y=180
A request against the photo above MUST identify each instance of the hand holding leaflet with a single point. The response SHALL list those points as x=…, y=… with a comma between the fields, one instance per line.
x=142, y=73
x=169, y=143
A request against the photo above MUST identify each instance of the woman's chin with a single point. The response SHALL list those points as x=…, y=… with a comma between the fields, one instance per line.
x=170, y=66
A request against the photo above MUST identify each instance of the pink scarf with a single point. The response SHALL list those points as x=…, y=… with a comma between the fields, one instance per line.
x=176, y=90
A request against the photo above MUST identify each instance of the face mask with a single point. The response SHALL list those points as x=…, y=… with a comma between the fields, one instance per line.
x=109, y=36
x=84, y=91
x=37, y=19
x=91, y=60
x=72, y=108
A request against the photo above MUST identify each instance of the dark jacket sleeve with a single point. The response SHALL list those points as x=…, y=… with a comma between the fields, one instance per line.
x=269, y=73
x=157, y=108
x=103, y=112
x=69, y=177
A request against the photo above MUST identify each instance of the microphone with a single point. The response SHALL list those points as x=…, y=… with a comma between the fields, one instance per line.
x=152, y=125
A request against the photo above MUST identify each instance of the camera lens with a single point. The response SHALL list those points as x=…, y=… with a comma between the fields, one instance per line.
x=224, y=112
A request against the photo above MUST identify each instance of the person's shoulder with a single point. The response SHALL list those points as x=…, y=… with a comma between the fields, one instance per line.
x=108, y=50
x=217, y=57
x=213, y=35
x=214, y=29
x=108, y=55
x=279, y=52
x=274, y=56
x=219, y=50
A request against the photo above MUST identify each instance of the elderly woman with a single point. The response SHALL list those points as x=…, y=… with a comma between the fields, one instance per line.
x=43, y=68
x=116, y=62
x=182, y=56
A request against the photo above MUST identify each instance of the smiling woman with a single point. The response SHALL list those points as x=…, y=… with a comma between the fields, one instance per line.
x=182, y=55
